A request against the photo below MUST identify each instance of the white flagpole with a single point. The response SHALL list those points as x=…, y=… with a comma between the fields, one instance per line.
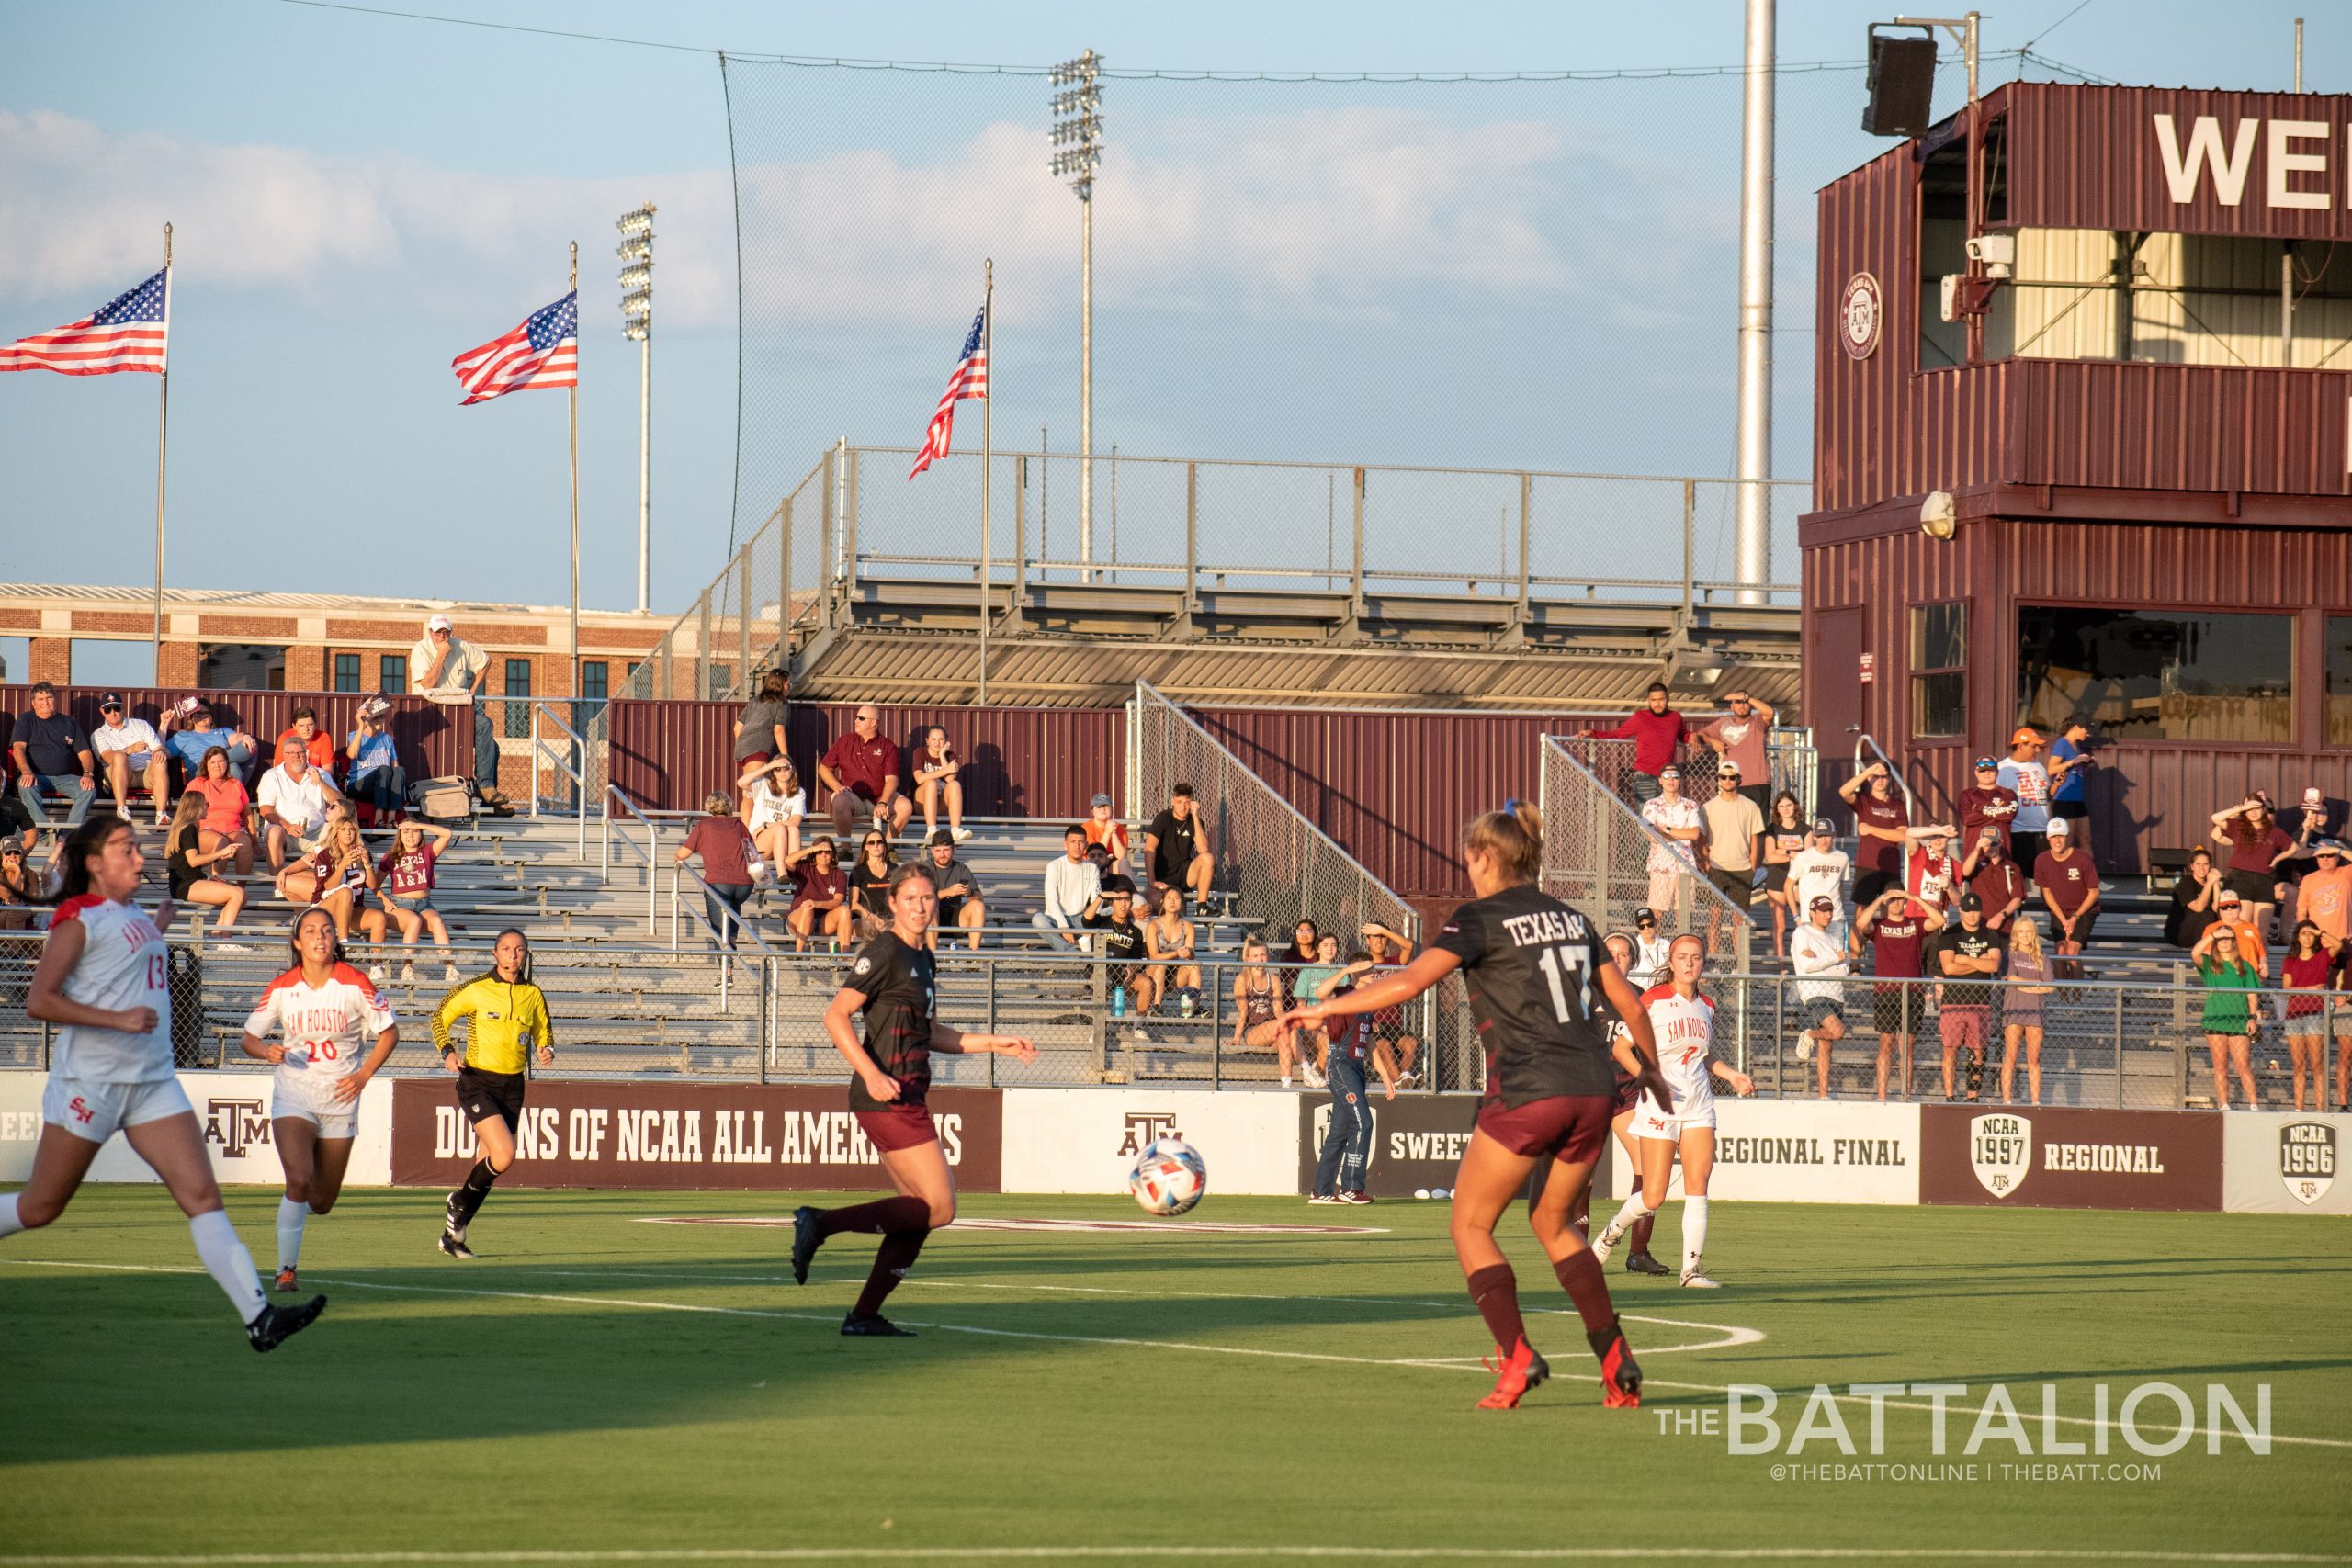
x=163, y=448
x=575, y=491
x=987, y=459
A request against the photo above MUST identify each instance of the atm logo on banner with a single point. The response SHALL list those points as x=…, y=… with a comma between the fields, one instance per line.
x=235, y=1124
x=2307, y=1160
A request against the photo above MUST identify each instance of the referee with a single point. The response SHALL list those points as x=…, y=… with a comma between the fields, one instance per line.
x=510, y=1016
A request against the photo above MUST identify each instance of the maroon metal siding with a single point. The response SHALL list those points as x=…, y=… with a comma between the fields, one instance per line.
x=2187, y=427
x=429, y=742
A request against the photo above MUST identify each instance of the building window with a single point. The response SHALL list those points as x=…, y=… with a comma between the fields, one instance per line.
x=518, y=684
x=1939, y=670
x=391, y=672
x=2158, y=675
x=346, y=672
x=593, y=680
x=2339, y=680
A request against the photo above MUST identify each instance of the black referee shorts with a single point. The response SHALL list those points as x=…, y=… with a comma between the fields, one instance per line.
x=484, y=1095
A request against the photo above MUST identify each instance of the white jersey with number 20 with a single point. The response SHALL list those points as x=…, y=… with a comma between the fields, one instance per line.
x=1685, y=1031
x=328, y=1029
x=124, y=964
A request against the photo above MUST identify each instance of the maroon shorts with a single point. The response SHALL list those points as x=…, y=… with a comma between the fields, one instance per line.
x=1571, y=1128
x=897, y=1126
x=1629, y=1093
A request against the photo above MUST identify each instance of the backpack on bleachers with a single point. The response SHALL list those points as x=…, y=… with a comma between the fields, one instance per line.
x=449, y=799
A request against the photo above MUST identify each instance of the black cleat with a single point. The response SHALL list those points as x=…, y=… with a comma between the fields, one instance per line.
x=805, y=1242
x=454, y=1245
x=1643, y=1263
x=875, y=1327
x=276, y=1325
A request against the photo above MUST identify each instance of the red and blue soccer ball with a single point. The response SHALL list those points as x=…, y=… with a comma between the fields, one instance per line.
x=1168, y=1178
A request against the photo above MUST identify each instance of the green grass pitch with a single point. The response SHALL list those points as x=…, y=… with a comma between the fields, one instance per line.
x=638, y=1391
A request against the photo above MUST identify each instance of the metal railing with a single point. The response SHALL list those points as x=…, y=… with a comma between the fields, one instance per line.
x=577, y=764
x=1870, y=743
x=647, y=856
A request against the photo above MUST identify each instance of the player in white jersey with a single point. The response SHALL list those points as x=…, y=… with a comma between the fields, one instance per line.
x=1621, y=1121
x=105, y=979
x=327, y=1014
x=1684, y=1024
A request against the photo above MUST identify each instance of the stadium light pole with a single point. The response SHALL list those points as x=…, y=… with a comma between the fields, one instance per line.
x=636, y=250
x=1078, y=143
x=1752, y=526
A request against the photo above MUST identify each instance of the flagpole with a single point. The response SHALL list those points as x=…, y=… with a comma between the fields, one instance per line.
x=987, y=459
x=163, y=449
x=575, y=516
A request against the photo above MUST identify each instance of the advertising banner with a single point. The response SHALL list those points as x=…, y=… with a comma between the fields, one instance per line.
x=2280, y=1162
x=233, y=1110
x=622, y=1132
x=2056, y=1158
x=1416, y=1140
x=1807, y=1151
x=1086, y=1140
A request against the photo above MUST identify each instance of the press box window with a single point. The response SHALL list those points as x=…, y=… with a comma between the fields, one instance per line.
x=518, y=684
x=2339, y=680
x=2158, y=675
x=346, y=672
x=1938, y=673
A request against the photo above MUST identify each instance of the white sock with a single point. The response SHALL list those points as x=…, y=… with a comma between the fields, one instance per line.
x=10, y=1223
x=291, y=1218
x=1634, y=1208
x=1694, y=1233
x=230, y=1265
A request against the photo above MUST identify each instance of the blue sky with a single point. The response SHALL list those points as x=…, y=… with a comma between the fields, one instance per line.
x=358, y=197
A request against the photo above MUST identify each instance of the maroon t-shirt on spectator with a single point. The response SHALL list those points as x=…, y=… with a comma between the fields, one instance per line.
x=2070, y=885
x=1995, y=882
x=810, y=885
x=2252, y=849
x=1655, y=736
x=1880, y=855
x=721, y=842
x=862, y=766
x=1899, y=941
x=2311, y=971
x=1983, y=808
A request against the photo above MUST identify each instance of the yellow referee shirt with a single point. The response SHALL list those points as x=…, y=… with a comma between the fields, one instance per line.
x=509, y=1022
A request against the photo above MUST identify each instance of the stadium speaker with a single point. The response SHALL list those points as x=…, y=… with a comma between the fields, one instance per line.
x=1902, y=85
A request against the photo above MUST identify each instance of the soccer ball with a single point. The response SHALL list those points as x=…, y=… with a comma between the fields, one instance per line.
x=1168, y=1178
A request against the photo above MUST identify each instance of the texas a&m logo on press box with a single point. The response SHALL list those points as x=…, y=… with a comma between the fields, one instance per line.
x=2307, y=1160
x=2000, y=1151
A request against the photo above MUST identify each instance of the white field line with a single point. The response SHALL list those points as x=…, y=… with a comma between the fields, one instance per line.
x=1090, y=1553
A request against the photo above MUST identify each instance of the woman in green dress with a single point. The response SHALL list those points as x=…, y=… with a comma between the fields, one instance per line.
x=2232, y=1013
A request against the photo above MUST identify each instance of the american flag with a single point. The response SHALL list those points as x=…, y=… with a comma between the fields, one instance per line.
x=969, y=380
x=129, y=334
x=543, y=351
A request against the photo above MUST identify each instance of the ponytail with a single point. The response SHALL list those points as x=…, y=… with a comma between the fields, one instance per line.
x=1514, y=836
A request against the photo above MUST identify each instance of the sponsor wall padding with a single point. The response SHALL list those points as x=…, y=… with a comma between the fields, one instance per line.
x=2058, y=1157
x=2280, y=1162
x=232, y=1109
x=1086, y=1140
x=1805, y=1151
x=1416, y=1140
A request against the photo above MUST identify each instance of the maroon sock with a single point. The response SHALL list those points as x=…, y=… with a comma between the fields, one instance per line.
x=1495, y=1289
x=891, y=1260
x=1579, y=1274
x=1641, y=1229
x=882, y=1215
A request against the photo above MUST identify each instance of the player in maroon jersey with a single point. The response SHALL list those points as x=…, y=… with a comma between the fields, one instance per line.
x=1541, y=986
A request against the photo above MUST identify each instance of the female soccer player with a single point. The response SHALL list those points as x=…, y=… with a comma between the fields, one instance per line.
x=1540, y=986
x=510, y=1016
x=891, y=982
x=1622, y=1104
x=104, y=979
x=327, y=1013
x=1684, y=1024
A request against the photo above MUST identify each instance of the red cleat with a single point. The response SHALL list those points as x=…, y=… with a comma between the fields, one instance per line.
x=1515, y=1374
x=1621, y=1375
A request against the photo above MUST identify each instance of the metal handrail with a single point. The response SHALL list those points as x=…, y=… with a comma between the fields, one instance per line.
x=1745, y=926
x=579, y=775
x=1507, y=582
x=1367, y=467
x=1910, y=801
x=677, y=904
x=649, y=854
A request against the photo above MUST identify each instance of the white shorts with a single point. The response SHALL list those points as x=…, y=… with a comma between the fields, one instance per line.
x=1650, y=1123
x=306, y=1097
x=98, y=1110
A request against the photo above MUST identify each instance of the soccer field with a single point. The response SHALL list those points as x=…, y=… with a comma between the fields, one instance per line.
x=604, y=1386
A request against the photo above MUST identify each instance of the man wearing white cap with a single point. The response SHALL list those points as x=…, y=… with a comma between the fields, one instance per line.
x=2069, y=887
x=446, y=669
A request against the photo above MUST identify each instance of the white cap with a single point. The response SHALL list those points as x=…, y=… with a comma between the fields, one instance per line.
x=2311, y=796
x=439, y=623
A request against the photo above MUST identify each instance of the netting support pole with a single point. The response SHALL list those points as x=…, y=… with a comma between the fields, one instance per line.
x=784, y=593
x=743, y=621
x=1355, y=574
x=825, y=570
x=849, y=534
x=702, y=648
x=1192, y=549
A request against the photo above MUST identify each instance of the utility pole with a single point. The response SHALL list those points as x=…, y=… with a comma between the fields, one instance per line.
x=1077, y=137
x=1752, y=532
x=636, y=250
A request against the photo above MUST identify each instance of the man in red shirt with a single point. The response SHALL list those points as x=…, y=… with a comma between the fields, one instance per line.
x=1995, y=879
x=1655, y=730
x=2069, y=885
x=1985, y=803
x=861, y=769
x=1897, y=929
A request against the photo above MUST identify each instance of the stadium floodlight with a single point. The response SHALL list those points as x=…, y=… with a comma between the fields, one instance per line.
x=1078, y=140
x=635, y=251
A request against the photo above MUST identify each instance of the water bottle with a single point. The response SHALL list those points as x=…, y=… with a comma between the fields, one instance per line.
x=1118, y=1001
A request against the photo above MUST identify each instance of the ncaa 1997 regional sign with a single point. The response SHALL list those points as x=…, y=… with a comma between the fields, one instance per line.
x=1859, y=314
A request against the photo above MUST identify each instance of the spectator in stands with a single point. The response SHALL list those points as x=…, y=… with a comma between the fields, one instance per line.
x=2325, y=898
x=2069, y=884
x=1734, y=844
x=20, y=888
x=1882, y=831
x=379, y=785
x=1783, y=837
x=2070, y=778
x=192, y=744
x=1305, y=940
x=228, y=809
x=937, y=782
x=1822, y=962
x=1073, y=886
x=2230, y=911
x=773, y=807
x=1680, y=822
x=2196, y=899
x=1323, y=977
x=1257, y=1008
x=862, y=771
x=1105, y=828
x=760, y=727
x=339, y=878
x=1930, y=874
x=1123, y=943
x=51, y=752
x=1169, y=940
x=725, y=846
x=446, y=669
x=2022, y=775
x=2305, y=966
x=189, y=865
x=1739, y=737
x=2021, y=1005
x=1385, y=949
x=1985, y=803
x=303, y=735
x=2232, y=1011
x=128, y=748
x=1178, y=848
x=960, y=904
x=869, y=884
x=406, y=873
x=1651, y=949
x=819, y=895
x=1897, y=929
x=1818, y=871
x=1656, y=731
x=2306, y=825
x=1964, y=952
x=1998, y=881
x=292, y=802
x=15, y=822
x=2257, y=846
